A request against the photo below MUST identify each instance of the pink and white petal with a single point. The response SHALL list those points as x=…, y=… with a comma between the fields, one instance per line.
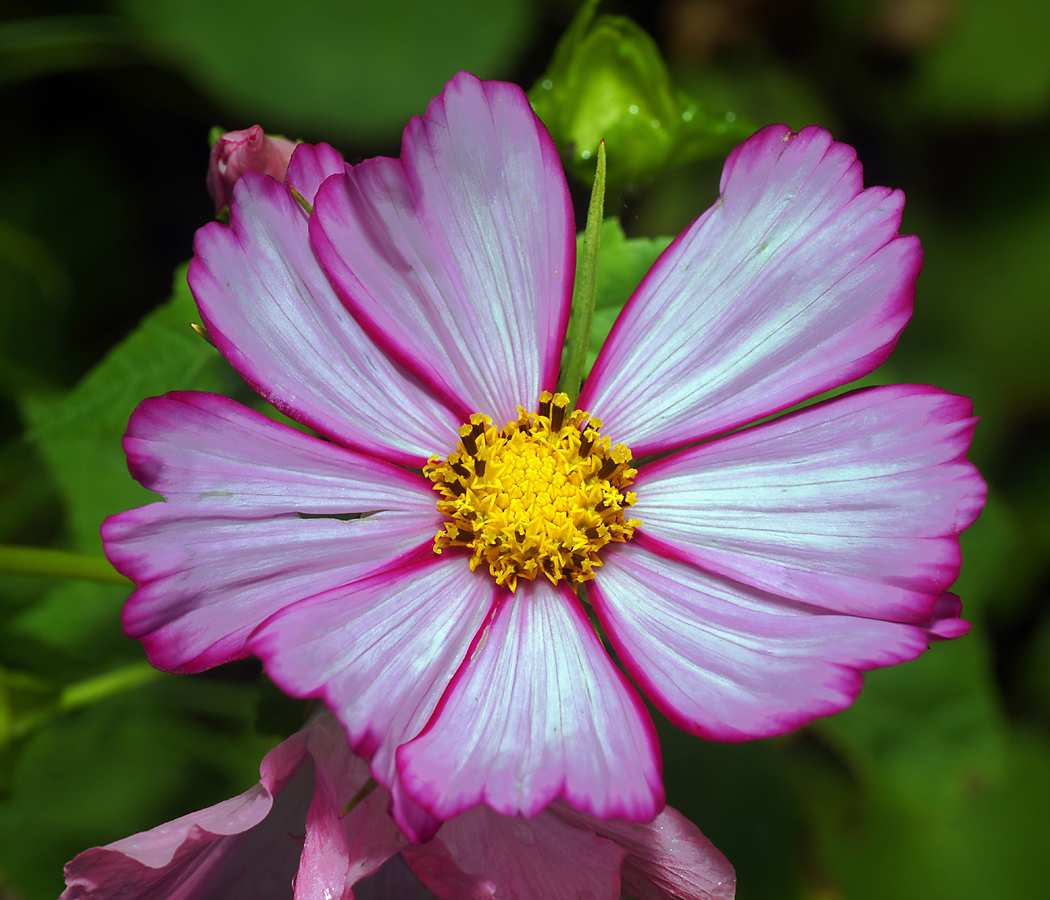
x=484, y=856
x=667, y=858
x=193, y=447
x=536, y=712
x=208, y=579
x=458, y=258
x=272, y=313
x=794, y=282
x=381, y=652
x=231, y=548
x=311, y=164
x=246, y=847
x=854, y=505
x=341, y=849
x=730, y=662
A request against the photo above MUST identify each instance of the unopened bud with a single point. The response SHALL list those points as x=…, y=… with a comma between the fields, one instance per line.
x=237, y=152
x=608, y=81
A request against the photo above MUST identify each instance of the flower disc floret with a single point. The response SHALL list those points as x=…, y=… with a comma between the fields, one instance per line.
x=543, y=494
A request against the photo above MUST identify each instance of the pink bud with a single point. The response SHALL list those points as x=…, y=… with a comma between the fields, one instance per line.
x=237, y=152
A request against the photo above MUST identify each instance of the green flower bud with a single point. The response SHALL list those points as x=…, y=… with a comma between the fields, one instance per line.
x=608, y=80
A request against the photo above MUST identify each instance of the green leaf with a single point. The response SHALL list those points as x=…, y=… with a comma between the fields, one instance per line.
x=76, y=626
x=741, y=797
x=73, y=629
x=622, y=264
x=988, y=843
x=940, y=793
x=125, y=765
x=353, y=67
x=35, y=293
x=80, y=434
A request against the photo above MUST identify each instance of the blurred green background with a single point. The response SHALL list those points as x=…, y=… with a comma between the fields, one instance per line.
x=935, y=784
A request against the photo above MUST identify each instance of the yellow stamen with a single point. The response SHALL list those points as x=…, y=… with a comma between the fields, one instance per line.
x=542, y=495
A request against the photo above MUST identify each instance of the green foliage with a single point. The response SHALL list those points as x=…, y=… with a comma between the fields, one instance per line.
x=90, y=750
x=942, y=793
x=992, y=63
x=608, y=81
x=79, y=434
x=622, y=264
x=25, y=700
x=343, y=67
x=124, y=765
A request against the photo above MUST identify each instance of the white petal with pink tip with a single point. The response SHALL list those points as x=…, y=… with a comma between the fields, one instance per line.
x=459, y=256
x=193, y=447
x=731, y=662
x=794, y=282
x=854, y=505
x=208, y=580
x=537, y=712
x=231, y=548
x=381, y=652
x=274, y=316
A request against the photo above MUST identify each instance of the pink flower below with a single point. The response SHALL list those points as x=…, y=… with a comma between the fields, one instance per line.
x=238, y=152
x=288, y=837
x=773, y=565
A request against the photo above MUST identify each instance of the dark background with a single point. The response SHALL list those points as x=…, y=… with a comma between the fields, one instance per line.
x=935, y=784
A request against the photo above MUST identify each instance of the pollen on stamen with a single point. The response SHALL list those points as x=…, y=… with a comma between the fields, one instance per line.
x=541, y=495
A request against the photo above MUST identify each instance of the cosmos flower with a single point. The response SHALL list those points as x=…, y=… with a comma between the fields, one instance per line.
x=430, y=565
x=313, y=821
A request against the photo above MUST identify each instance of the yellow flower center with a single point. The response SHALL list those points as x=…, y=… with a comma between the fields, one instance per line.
x=541, y=495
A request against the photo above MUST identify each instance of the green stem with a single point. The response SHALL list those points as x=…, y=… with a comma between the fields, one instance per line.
x=365, y=790
x=91, y=690
x=58, y=564
x=585, y=290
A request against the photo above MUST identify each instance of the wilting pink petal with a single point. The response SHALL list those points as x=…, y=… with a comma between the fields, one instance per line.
x=381, y=652
x=230, y=548
x=290, y=827
x=537, y=712
x=667, y=858
x=483, y=856
x=728, y=661
x=238, y=152
x=854, y=505
x=247, y=847
x=458, y=258
x=270, y=310
x=313, y=819
x=341, y=847
x=794, y=282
